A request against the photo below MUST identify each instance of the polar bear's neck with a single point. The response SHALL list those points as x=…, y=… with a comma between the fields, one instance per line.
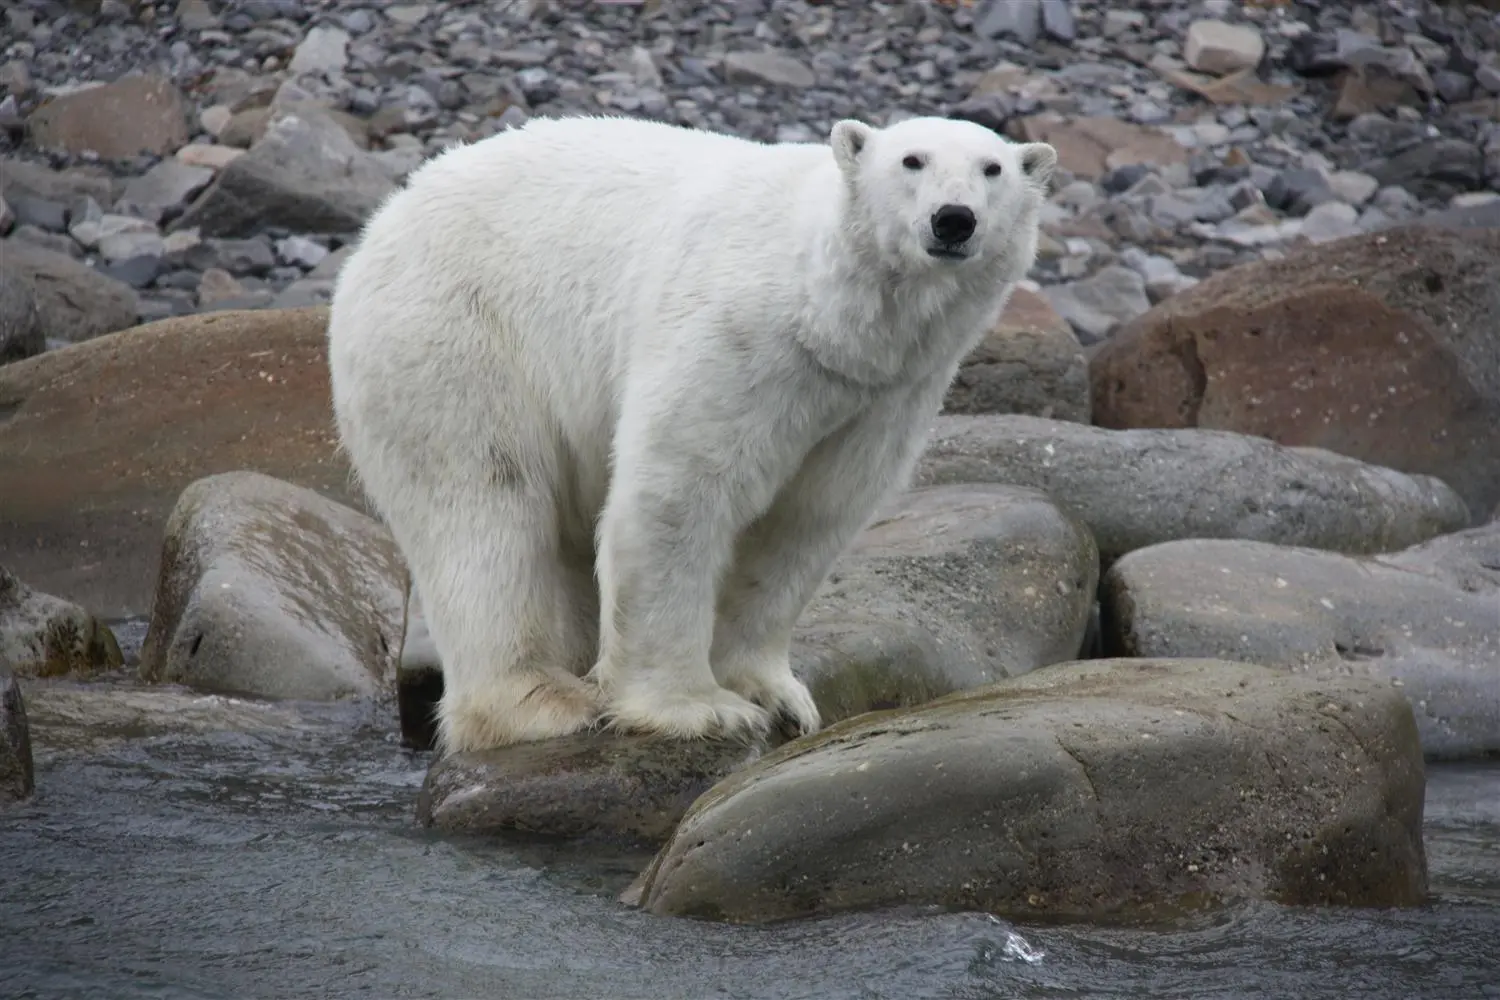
x=870, y=323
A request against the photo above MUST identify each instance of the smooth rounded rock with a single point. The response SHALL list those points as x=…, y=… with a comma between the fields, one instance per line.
x=949, y=588
x=1128, y=486
x=1084, y=790
x=1426, y=619
x=270, y=589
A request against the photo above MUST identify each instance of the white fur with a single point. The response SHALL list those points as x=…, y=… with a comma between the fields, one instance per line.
x=623, y=392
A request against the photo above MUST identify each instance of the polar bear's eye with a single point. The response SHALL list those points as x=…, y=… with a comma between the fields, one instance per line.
x=912, y=163
x=992, y=170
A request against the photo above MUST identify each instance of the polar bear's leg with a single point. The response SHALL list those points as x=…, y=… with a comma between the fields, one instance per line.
x=684, y=485
x=510, y=614
x=785, y=555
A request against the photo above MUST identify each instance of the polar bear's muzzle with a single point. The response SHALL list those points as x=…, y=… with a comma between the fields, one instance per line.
x=952, y=226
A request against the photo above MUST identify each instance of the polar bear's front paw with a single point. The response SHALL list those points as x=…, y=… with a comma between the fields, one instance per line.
x=783, y=696
x=713, y=713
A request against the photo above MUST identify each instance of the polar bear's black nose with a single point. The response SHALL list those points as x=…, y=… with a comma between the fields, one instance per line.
x=953, y=224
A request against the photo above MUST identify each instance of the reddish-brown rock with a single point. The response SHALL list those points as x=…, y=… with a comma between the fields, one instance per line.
x=97, y=441
x=133, y=115
x=1089, y=147
x=1384, y=347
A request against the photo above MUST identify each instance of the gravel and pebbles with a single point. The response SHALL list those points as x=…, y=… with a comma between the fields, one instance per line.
x=197, y=155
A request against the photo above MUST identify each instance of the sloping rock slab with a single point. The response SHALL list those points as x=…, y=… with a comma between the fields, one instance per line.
x=1426, y=619
x=1383, y=347
x=1082, y=790
x=270, y=589
x=44, y=636
x=584, y=786
x=130, y=420
x=1138, y=488
x=16, y=774
x=306, y=174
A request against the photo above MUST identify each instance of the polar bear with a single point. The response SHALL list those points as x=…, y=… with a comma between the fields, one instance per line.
x=623, y=391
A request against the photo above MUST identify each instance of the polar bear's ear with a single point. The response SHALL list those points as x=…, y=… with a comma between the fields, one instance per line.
x=848, y=139
x=1038, y=160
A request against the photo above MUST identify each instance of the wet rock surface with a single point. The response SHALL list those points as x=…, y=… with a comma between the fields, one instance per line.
x=1425, y=619
x=1381, y=347
x=17, y=778
x=585, y=787
x=270, y=589
x=1080, y=790
x=44, y=636
x=82, y=517
x=1140, y=487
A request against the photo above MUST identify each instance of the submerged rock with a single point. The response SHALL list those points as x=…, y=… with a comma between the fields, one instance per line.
x=1128, y=486
x=270, y=589
x=1426, y=619
x=16, y=778
x=1080, y=790
x=45, y=636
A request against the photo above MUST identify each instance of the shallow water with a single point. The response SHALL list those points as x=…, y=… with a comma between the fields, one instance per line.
x=184, y=846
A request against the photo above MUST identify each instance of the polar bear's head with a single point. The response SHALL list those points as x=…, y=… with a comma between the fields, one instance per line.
x=940, y=192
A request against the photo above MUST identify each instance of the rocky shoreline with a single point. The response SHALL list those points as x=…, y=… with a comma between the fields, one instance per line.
x=1199, y=567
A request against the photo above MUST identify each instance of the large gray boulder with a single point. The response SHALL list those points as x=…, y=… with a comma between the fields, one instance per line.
x=271, y=589
x=1426, y=620
x=1141, y=487
x=1084, y=790
x=306, y=174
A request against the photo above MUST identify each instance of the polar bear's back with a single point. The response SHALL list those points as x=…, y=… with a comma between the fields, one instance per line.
x=535, y=264
x=596, y=215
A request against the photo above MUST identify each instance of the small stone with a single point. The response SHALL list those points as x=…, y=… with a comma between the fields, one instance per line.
x=1096, y=306
x=301, y=251
x=1221, y=48
x=1330, y=221
x=768, y=68
x=1352, y=187
x=1057, y=20
x=167, y=186
x=323, y=51
x=1018, y=19
x=218, y=285
x=45, y=636
x=211, y=157
x=196, y=15
x=215, y=119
